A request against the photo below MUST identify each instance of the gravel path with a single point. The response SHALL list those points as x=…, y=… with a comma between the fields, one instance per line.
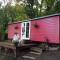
x=48, y=55
x=51, y=55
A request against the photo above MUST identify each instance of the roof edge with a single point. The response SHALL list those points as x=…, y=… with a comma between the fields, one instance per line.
x=57, y=14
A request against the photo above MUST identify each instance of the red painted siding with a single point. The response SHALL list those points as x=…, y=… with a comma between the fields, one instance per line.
x=12, y=30
x=59, y=28
x=47, y=28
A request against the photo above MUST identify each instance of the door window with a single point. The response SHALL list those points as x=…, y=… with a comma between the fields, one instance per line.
x=25, y=30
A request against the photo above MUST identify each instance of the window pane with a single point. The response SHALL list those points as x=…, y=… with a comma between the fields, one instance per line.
x=27, y=30
x=23, y=28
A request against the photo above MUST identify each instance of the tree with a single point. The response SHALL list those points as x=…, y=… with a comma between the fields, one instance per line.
x=20, y=12
x=9, y=13
x=32, y=8
x=51, y=6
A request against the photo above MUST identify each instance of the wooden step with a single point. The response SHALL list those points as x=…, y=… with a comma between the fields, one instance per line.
x=53, y=48
x=35, y=53
x=29, y=57
x=37, y=50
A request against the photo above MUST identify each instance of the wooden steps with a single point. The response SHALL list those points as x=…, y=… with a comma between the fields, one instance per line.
x=29, y=57
x=33, y=54
x=36, y=49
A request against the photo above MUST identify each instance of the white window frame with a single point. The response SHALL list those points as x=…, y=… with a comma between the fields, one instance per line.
x=25, y=38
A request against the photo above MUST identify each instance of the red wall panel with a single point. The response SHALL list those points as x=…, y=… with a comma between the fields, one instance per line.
x=48, y=29
x=12, y=30
x=59, y=28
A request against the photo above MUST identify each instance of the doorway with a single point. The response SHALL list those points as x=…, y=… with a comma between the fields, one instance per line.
x=25, y=30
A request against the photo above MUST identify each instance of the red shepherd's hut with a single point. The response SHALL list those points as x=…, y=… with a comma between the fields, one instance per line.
x=38, y=29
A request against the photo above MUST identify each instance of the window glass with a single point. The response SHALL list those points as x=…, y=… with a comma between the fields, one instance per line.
x=27, y=30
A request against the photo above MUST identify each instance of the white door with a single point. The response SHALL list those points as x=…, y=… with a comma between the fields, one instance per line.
x=25, y=30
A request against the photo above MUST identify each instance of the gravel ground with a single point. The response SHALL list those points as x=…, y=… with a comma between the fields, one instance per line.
x=51, y=55
x=47, y=55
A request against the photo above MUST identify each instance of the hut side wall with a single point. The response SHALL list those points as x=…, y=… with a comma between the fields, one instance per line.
x=48, y=28
x=12, y=29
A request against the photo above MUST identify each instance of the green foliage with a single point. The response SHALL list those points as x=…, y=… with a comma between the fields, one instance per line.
x=57, y=7
x=52, y=6
x=32, y=11
x=10, y=14
x=20, y=12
